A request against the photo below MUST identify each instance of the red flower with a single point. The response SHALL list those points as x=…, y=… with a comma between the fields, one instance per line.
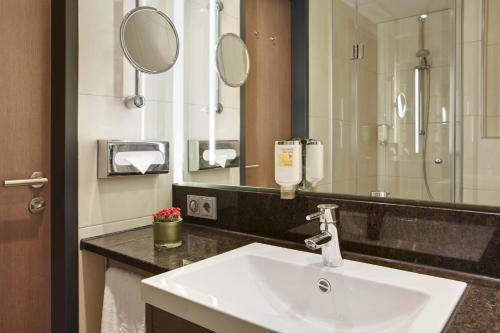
x=172, y=214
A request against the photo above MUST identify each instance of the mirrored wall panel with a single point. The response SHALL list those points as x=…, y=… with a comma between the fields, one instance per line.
x=392, y=89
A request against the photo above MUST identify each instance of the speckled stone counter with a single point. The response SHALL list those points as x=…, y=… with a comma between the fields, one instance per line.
x=478, y=311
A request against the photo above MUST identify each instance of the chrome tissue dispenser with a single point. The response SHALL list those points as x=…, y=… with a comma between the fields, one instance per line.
x=117, y=158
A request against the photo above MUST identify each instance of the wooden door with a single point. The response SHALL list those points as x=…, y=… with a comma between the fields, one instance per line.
x=268, y=113
x=24, y=148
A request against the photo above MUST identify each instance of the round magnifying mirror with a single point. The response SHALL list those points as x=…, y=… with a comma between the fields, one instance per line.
x=233, y=60
x=401, y=105
x=149, y=40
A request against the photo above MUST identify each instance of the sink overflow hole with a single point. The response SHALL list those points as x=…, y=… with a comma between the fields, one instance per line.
x=324, y=286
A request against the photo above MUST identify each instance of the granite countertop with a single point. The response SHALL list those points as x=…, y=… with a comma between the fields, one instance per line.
x=478, y=311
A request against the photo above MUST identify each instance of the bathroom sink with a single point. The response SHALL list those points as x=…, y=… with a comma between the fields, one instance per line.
x=266, y=288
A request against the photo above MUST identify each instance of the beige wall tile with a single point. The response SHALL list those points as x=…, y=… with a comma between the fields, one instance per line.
x=472, y=20
x=320, y=86
x=493, y=19
x=472, y=77
x=493, y=126
x=493, y=80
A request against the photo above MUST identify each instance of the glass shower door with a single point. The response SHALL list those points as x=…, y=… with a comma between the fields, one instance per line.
x=394, y=125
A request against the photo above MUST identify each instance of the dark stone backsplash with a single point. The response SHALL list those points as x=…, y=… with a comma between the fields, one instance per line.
x=444, y=237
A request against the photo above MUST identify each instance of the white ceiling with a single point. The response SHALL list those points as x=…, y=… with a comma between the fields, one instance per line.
x=387, y=10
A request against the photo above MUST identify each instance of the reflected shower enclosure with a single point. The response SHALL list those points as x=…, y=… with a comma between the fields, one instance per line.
x=393, y=105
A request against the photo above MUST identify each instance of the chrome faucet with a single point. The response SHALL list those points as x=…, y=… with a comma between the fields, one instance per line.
x=328, y=239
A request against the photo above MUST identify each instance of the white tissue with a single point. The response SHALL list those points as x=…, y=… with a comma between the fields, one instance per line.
x=221, y=156
x=141, y=160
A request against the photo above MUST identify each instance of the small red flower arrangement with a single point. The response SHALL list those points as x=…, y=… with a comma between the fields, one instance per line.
x=168, y=215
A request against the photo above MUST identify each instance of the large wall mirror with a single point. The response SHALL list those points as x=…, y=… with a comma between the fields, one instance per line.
x=392, y=89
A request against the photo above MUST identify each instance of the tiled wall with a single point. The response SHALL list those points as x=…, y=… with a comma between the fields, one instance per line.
x=345, y=123
x=481, y=160
x=197, y=87
x=105, y=78
x=400, y=168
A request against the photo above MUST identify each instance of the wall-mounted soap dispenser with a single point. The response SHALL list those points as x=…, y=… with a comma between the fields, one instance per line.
x=298, y=163
x=314, y=162
x=288, y=166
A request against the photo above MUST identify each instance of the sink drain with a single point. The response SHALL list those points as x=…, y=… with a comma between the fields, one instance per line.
x=324, y=286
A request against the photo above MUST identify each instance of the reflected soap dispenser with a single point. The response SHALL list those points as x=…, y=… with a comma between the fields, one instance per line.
x=314, y=161
x=288, y=166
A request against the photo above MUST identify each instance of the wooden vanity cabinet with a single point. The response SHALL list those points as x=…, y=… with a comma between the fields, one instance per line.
x=159, y=321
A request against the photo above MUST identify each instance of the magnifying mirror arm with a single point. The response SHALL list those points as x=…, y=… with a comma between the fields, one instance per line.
x=137, y=101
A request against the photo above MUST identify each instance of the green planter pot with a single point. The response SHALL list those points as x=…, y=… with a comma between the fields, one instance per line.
x=167, y=234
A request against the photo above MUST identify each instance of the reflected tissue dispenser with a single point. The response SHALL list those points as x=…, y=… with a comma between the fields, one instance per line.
x=129, y=158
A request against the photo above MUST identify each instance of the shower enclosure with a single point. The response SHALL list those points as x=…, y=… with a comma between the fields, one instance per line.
x=394, y=68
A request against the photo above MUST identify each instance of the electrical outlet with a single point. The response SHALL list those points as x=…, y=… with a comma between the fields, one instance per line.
x=203, y=207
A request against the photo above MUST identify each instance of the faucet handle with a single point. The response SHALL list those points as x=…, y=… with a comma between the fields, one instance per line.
x=314, y=216
x=328, y=211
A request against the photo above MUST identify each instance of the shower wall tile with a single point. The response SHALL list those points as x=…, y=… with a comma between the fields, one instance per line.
x=439, y=95
x=440, y=190
x=367, y=92
x=343, y=163
x=343, y=95
x=481, y=163
x=481, y=182
x=493, y=26
x=343, y=30
x=320, y=58
x=472, y=77
x=354, y=107
x=493, y=125
x=405, y=187
x=472, y=21
x=321, y=128
x=400, y=168
x=438, y=38
x=493, y=82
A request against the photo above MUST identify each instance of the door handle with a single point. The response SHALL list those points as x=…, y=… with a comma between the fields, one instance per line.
x=37, y=180
x=251, y=166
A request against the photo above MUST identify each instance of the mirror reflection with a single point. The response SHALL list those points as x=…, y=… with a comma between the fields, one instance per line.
x=149, y=40
x=233, y=61
x=382, y=91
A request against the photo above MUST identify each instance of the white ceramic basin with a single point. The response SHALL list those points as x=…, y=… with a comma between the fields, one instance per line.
x=266, y=288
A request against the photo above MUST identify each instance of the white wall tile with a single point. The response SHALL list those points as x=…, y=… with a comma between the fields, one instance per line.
x=110, y=200
x=100, y=56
